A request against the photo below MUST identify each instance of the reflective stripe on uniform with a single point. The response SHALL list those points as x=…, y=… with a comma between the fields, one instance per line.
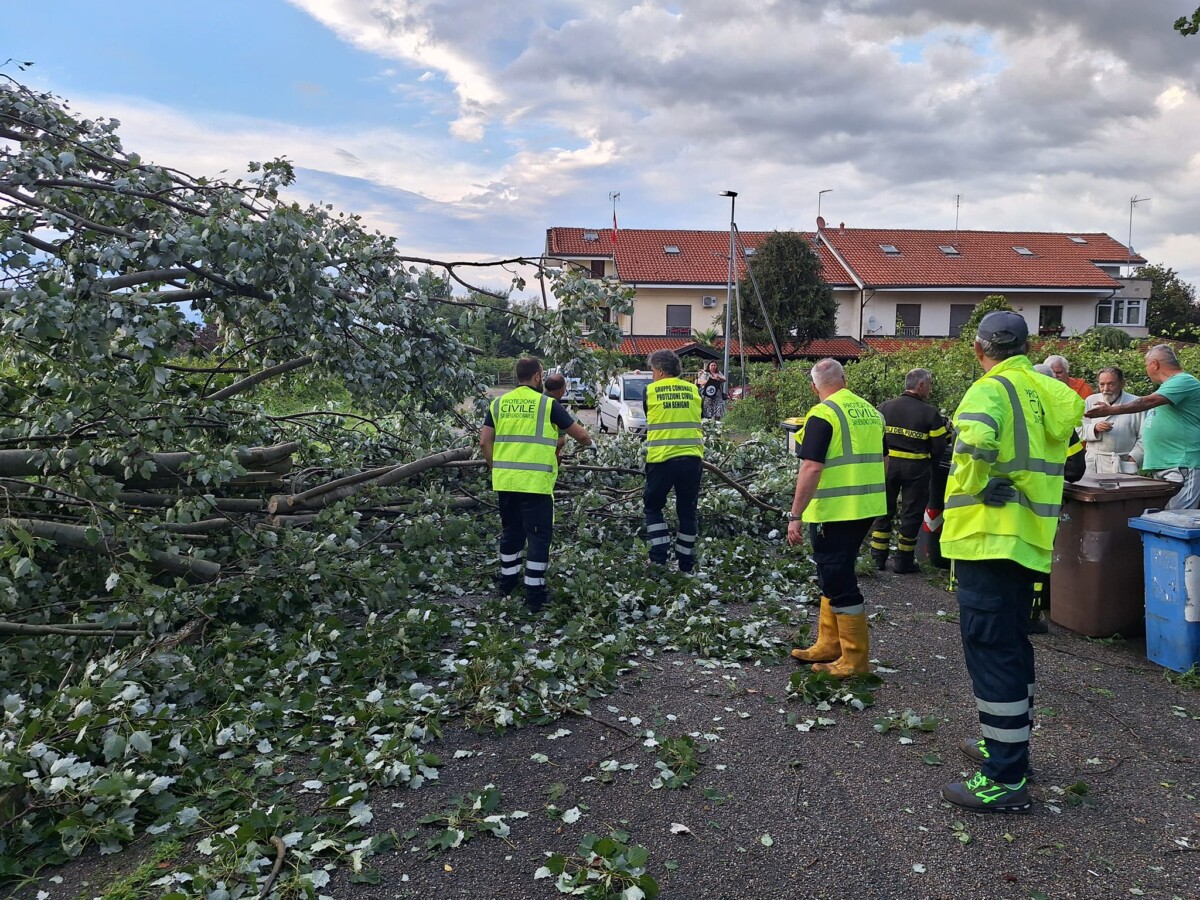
x=961, y=446
x=523, y=467
x=525, y=439
x=904, y=454
x=1010, y=708
x=1004, y=735
x=848, y=490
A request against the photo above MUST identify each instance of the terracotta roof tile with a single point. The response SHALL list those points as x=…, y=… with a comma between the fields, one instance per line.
x=983, y=259
x=703, y=257
x=840, y=347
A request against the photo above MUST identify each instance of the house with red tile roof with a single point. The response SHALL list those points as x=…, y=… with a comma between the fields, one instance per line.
x=889, y=282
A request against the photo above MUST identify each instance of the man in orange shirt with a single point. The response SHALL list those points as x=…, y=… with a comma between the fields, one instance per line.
x=1062, y=371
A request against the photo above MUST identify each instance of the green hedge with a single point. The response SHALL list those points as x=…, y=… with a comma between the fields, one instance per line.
x=777, y=394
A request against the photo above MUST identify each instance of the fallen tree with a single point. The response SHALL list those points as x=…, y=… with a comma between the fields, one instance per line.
x=176, y=547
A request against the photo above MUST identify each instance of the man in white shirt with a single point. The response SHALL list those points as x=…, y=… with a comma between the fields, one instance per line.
x=1113, y=444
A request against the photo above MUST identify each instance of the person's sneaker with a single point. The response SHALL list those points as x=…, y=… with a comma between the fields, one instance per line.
x=976, y=749
x=981, y=794
x=537, y=603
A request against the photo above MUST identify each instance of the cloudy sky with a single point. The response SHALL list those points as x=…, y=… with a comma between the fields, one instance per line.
x=467, y=127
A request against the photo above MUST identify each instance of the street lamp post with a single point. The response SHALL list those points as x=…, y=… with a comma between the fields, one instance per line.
x=819, y=193
x=732, y=195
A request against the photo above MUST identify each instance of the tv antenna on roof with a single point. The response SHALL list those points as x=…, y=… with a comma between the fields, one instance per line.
x=957, y=203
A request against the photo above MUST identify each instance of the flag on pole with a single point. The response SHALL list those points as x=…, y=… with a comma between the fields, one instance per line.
x=614, y=231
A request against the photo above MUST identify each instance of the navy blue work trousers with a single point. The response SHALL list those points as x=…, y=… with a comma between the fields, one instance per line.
x=526, y=524
x=994, y=597
x=835, y=547
x=683, y=475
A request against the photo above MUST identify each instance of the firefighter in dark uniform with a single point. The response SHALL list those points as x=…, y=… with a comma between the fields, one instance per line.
x=916, y=439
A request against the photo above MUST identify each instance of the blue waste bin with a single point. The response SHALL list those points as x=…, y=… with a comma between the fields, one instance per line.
x=1171, y=548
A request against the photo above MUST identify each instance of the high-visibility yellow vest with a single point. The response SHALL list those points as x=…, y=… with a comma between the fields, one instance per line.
x=852, y=481
x=673, y=422
x=523, y=457
x=1013, y=423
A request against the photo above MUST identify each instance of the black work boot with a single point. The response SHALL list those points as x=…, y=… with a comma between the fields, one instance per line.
x=880, y=558
x=905, y=563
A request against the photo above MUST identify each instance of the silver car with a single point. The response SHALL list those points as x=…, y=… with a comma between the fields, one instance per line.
x=622, y=406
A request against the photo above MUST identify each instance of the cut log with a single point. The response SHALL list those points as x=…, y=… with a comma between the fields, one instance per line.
x=327, y=494
x=14, y=463
x=75, y=537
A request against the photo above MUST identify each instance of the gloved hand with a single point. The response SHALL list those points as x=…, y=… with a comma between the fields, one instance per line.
x=997, y=492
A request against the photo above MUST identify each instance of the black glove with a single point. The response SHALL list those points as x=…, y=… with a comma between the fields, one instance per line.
x=997, y=492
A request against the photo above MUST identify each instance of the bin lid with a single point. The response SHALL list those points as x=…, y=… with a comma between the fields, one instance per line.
x=1093, y=488
x=1178, y=523
x=794, y=421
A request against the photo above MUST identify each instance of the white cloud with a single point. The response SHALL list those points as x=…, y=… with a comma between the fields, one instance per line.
x=1042, y=116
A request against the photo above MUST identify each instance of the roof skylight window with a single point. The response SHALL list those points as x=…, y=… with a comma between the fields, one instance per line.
x=749, y=251
x=1023, y=251
x=1075, y=239
x=948, y=249
x=591, y=236
x=671, y=249
x=889, y=249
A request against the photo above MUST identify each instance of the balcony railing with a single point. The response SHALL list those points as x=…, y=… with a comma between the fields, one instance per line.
x=908, y=331
x=678, y=330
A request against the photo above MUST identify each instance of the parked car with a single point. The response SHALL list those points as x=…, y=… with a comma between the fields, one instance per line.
x=622, y=405
x=578, y=394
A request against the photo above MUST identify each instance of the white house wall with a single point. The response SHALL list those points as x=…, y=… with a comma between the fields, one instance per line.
x=1078, y=311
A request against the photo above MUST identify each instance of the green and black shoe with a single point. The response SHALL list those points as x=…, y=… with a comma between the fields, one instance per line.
x=976, y=749
x=981, y=794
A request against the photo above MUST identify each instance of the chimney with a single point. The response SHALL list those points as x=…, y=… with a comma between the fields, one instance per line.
x=842, y=226
x=820, y=222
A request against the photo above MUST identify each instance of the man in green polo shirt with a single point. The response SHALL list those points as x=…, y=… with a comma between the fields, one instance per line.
x=1171, y=435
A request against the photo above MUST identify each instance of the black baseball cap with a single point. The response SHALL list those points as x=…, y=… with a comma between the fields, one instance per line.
x=1003, y=328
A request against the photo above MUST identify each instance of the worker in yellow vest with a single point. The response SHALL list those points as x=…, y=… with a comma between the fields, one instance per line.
x=519, y=438
x=674, y=459
x=840, y=490
x=1015, y=443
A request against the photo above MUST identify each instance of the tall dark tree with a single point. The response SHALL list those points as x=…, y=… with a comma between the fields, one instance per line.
x=801, y=307
x=1172, y=311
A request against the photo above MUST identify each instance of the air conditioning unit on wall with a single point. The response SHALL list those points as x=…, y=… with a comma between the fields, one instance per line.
x=708, y=302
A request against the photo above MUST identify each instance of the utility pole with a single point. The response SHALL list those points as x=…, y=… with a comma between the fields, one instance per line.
x=732, y=195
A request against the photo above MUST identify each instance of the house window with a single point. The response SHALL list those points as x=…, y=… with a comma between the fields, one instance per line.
x=959, y=313
x=1050, y=320
x=908, y=319
x=1116, y=311
x=889, y=249
x=679, y=320
x=597, y=268
x=948, y=249
x=1023, y=251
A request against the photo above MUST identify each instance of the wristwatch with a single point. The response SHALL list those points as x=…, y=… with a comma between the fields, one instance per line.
x=792, y=517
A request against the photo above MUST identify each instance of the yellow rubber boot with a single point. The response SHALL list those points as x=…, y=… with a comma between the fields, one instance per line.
x=827, y=646
x=852, y=635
